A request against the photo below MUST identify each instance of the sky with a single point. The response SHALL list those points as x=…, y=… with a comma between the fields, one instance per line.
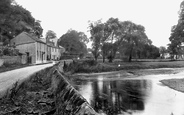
x=157, y=16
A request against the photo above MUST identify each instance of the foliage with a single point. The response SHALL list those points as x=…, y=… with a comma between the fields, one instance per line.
x=102, y=33
x=177, y=35
x=162, y=51
x=105, y=50
x=9, y=51
x=15, y=19
x=96, y=31
x=50, y=34
x=134, y=38
x=112, y=36
x=74, y=42
x=37, y=29
x=83, y=66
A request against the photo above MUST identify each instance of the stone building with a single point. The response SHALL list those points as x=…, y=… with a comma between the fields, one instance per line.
x=37, y=50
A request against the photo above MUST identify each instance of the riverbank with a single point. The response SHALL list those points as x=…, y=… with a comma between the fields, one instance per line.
x=120, y=65
x=135, y=68
x=176, y=84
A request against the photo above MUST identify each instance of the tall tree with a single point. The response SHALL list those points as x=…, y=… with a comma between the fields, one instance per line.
x=37, y=28
x=73, y=43
x=177, y=34
x=112, y=35
x=103, y=34
x=50, y=35
x=96, y=31
x=133, y=37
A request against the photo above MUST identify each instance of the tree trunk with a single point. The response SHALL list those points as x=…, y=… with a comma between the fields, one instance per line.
x=130, y=56
x=139, y=54
x=103, y=58
x=110, y=60
x=95, y=58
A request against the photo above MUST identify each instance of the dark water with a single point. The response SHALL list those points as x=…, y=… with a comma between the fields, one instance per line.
x=130, y=97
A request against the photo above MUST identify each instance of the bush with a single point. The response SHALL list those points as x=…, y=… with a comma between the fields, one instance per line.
x=89, y=62
x=9, y=51
x=79, y=66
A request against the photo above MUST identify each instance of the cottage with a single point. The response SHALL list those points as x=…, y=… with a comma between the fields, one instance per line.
x=56, y=50
x=34, y=48
x=37, y=50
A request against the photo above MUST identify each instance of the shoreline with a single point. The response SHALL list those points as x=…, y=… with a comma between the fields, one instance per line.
x=136, y=72
x=175, y=84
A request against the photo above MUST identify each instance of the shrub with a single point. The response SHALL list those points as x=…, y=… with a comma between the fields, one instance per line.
x=89, y=62
x=79, y=66
x=9, y=51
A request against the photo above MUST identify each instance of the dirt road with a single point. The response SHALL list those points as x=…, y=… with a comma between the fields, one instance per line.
x=10, y=77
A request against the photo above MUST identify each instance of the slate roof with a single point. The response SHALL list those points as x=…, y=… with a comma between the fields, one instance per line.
x=34, y=37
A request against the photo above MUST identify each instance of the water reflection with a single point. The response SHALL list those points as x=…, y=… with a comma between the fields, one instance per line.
x=115, y=97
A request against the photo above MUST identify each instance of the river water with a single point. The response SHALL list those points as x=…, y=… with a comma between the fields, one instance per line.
x=111, y=94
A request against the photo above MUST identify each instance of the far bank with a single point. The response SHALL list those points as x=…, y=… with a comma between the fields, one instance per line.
x=134, y=67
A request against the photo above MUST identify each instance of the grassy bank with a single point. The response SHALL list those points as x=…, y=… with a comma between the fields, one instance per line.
x=176, y=84
x=89, y=66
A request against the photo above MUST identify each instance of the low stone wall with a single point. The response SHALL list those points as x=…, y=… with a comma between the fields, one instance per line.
x=13, y=59
x=46, y=92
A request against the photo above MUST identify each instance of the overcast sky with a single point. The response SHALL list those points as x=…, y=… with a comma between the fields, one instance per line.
x=157, y=16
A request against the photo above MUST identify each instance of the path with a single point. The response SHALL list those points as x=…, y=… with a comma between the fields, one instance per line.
x=7, y=79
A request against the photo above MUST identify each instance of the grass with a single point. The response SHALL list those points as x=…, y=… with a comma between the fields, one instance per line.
x=82, y=67
x=176, y=84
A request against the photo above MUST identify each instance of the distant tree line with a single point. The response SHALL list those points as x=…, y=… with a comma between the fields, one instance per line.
x=111, y=39
x=125, y=38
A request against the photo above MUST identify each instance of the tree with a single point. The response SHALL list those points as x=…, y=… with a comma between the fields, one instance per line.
x=72, y=41
x=96, y=31
x=15, y=19
x=133, y=37
x=50, y=35
x=112, y=35
x=83, y=38
x=103, y=34
x=162, y=51
x=37, y=29
x=106, y=48
x=177, y=35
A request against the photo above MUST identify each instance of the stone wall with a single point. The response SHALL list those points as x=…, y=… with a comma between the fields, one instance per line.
x=13, y=59
x=47, y=92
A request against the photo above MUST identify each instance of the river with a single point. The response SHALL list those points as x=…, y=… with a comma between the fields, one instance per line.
x=112, y=94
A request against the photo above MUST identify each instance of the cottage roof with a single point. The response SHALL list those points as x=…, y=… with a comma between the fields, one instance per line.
x=44, y=41
x=34, y=37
